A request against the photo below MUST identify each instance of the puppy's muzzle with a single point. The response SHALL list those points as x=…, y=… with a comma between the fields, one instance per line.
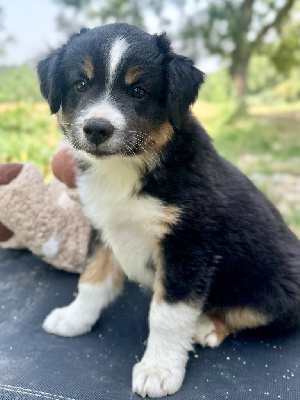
x=98, y=130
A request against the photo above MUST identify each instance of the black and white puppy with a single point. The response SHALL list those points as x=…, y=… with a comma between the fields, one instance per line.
x=168, y=210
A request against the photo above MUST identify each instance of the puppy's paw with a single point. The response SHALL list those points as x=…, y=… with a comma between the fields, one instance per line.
x=65, y=322
x=156, y=381
x=210, y=333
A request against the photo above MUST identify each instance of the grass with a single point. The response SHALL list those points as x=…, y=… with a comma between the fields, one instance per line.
x=273, y=143
x=264, y=144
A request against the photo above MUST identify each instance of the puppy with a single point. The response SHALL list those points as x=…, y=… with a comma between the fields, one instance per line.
x=168, y=211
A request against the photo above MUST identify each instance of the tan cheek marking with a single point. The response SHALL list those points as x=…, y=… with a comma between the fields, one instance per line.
x=88, y=69
x=131, y=75
x=159, y=137
x=100, y=266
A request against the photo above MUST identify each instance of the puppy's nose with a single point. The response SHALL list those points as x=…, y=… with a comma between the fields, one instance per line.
x=97, y=130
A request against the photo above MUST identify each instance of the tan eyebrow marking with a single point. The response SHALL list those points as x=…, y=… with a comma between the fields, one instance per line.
x=132, y=74
x=88, y=68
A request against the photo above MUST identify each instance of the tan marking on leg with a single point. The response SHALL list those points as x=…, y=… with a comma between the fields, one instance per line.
x=238, y=318
x=158, y=286
x=171, y=216
x=210, y=331
x=159, y=137
x=244, y=318
x=132, y=74
x=88, y=69
x=217, y=324
x=100, y=266
x=221, y=330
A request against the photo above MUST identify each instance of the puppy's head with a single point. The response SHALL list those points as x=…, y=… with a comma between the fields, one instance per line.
x=118, y=90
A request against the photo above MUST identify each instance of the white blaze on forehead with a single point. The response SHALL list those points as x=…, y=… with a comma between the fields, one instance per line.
x=118, y=48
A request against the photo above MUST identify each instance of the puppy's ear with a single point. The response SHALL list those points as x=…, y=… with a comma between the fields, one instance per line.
x=50, y=79
x=183, y=79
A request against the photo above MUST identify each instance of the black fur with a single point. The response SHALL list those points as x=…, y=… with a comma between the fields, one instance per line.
x=231, y=246
x=179, y=69
x=51, y=80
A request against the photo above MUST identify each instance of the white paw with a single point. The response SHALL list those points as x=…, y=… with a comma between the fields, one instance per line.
x=206, y=332
x=156, y=381
x=65, y=322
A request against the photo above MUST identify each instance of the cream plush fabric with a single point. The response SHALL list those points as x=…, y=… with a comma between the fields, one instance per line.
x=45, y=219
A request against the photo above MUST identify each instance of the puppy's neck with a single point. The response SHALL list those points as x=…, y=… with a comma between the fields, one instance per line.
x=122, y=175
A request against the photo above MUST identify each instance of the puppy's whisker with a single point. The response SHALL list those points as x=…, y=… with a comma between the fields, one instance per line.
x=148, y=139
x=130, y=146
x=151, y=156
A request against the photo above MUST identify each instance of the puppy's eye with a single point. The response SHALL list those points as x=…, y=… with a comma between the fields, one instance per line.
x=139, y=92
x=81, y=86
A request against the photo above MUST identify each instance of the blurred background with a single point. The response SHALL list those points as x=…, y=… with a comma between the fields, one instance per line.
x=250, y=103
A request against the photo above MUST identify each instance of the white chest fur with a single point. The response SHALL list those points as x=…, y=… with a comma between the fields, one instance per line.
x=130, y=225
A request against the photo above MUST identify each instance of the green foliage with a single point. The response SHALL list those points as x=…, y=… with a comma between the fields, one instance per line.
x=78, y=4
x=81, y=12
x=286, y=53
x=120, y=10
x=288, y=89
x=28, y=133
x=233, y=28
x=4, y=38
x=269, y=86
x=262, y=74
x=274, y=141
x=218, y=88
x=19, y=84
x=266, y=85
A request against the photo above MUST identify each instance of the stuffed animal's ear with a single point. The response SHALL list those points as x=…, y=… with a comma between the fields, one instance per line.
x=184, y=81
x=50, y=80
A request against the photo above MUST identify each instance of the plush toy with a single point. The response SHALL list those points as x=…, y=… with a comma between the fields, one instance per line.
x=47, y=220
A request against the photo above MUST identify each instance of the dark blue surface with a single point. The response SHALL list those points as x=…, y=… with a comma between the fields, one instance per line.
x=37, y=365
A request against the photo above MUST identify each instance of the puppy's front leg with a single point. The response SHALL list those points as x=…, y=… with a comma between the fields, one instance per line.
x=162, y=369
x=98, y=286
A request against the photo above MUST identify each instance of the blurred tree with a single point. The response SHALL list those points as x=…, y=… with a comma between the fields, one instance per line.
x=285, y=54
x=70, y=22
x=102, y=11
x=4, y=38
x=237, y=29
